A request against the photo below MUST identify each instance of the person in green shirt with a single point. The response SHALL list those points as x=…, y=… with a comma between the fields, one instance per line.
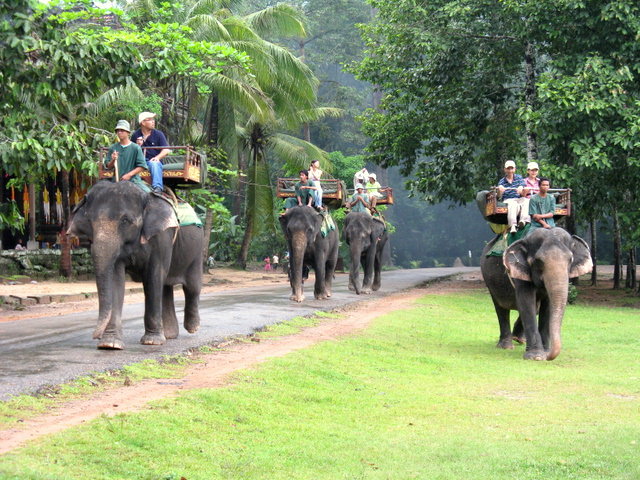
x=373, y=190
x=128, y=155
x=304, y=192
x=542, y=207
x=359, y=202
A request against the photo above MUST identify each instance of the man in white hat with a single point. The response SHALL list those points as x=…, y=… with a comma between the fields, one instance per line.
x=148, y=136
x=128, y=155
x=359, y=202
x=360, y=177
x=373, y=189
x=512, y=190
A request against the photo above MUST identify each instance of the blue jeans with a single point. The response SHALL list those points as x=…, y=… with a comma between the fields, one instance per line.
x=155, y=169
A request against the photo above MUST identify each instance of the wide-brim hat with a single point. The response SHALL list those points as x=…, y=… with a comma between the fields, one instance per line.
x=509, y=163
x=144, y=115
x=123, y=125
x=373, y=175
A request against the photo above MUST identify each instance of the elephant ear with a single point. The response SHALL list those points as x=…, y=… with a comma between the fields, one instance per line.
x=158, y=216
x=80, y=224
x=515, y=261
x=582, y=262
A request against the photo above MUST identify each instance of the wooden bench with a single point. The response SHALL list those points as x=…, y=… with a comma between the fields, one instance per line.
x=333, y=190
x=183, y=168
x=495, y=211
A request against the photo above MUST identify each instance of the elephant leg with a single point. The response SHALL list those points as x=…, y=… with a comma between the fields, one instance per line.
x=368, y=266
x=377, y=270
x=527, y=306
x=505, y=340
x=112, y=338
x=320, y=269
x=328, y=274
x=191, y=289
x=153, y=291
x=169, y=319
x=518, y=332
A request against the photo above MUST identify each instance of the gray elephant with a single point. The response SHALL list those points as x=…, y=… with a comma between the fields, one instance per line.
x=366, y=237
x=310, y=246
x=136, y=232
x=532, y=277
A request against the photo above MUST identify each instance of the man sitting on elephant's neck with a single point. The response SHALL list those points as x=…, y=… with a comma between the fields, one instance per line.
x=126, y=156
x=359, y=202
x=542, y=207
x=304, y=192
x=512, y=189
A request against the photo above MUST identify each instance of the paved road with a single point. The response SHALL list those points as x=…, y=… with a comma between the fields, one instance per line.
x=53, y=350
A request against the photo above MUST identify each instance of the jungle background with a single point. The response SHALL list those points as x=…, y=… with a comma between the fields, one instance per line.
x=432, y=97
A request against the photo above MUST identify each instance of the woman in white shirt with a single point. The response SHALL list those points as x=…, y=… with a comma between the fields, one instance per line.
x=314, y=175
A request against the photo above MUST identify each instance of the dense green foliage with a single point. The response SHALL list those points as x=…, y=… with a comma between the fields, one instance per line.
x=423, y=393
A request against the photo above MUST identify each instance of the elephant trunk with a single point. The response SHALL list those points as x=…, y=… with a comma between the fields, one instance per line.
x=298, y=247
x=557, y=290
x=354, y=272
x=104, y=252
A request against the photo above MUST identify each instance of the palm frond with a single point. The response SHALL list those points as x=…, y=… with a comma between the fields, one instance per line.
x=116, y=95
x=208, y=27
x=279, y=20
x=260, y=197
x=243, y=95
x=296, y=153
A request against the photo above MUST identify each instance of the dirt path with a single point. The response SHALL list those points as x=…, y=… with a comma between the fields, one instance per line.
x=214, y=371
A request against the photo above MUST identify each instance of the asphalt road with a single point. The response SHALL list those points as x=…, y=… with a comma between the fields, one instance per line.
x=52, y=350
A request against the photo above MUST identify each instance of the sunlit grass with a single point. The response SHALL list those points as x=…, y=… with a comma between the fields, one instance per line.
x=421, y=394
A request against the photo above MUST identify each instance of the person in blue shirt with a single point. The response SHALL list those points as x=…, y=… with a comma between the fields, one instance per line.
x=511, y=188
x=148, y=136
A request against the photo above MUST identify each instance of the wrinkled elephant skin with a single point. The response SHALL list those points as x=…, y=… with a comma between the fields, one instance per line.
x=136, y=233
x=309, y=249
x=366, y=237
x=532, y=277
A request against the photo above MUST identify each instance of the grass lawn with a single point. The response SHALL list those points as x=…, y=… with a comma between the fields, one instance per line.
x=421, y=394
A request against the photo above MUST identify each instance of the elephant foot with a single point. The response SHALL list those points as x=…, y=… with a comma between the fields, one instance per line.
x=110, y=343
x=535, y=355
x=321, y=296
x=153, y=339
x=505, y=344
x=192, y=325
x=171, y=331
x=297, y=298
x=375, y=287
x=365, y=291
x=352, y=288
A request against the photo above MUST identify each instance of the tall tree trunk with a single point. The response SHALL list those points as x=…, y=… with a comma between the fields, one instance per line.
x=630, y=281
x=594, y=252
x=306, y=130
x=32, y=215
x=246, y=242
x=241, y=186
x=530, y=100
x=211, y=121
x=617, y=251
x=65, y=245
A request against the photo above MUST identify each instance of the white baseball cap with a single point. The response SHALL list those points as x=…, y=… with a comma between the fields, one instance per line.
x=532, y=166
x=509, y=163
x=144, y=115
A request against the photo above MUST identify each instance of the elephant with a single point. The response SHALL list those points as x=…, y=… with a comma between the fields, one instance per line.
x=366, y=237
x=137, y=232
x=309, y=248
x=532, y=276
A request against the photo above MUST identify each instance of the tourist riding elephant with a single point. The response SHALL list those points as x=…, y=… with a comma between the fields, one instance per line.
x=366, y=237
x=309, y=247
x=136, y=232
x=533, y=276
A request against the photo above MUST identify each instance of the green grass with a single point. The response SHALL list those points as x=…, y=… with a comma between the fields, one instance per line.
x=423, y=394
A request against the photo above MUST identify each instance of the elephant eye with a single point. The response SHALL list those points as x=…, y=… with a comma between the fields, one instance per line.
x=125, y=221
